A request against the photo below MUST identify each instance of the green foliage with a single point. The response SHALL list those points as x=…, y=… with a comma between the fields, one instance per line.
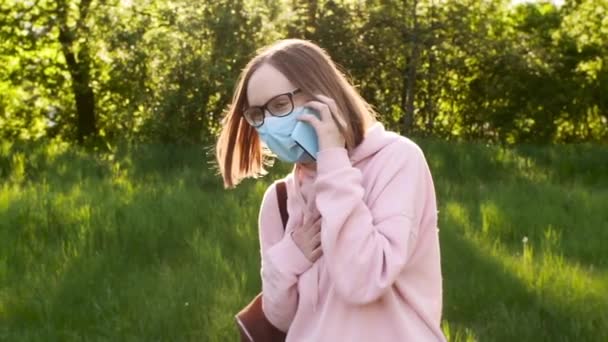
x=161, y=71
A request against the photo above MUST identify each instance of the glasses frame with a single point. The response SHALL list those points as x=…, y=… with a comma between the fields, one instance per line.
x=264, y=107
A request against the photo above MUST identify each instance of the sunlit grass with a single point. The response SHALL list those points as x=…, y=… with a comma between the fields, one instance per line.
x=146, y=245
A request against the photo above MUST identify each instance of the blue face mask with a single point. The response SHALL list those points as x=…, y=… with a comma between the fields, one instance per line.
x=291, y=140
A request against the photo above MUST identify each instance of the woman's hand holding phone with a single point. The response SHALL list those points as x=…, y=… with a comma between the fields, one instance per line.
x=327, y=127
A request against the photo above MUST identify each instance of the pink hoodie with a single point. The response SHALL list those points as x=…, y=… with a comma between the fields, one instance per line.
x=379, y=278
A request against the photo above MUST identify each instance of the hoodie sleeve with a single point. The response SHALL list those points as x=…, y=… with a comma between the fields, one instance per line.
x=282, y=263
x=367, y=248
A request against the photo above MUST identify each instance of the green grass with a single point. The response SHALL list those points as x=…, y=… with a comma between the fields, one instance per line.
x=145, y=244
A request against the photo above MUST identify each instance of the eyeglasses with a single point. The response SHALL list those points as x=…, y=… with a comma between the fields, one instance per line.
x=280, y=105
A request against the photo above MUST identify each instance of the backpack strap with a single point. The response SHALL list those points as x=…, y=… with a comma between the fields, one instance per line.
x=282, y=199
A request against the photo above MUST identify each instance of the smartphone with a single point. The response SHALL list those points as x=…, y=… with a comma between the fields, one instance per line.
x=306, y=136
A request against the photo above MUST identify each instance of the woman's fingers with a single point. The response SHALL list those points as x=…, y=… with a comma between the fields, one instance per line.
x=316, y=239
x=329, y=129
x=309, y=224
x=333, y=110
x=316, y=254
x=329, y=102
x=314, y=228
x=309, y=238
x=322, y=108
x=312, y=120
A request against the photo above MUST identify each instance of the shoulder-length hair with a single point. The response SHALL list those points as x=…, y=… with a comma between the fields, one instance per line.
x=239, y=150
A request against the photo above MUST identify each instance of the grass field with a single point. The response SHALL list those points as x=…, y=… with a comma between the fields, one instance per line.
x=145, y=244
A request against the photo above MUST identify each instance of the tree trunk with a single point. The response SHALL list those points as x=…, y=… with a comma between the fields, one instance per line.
x=409, y=90
x=78, y=64
x=83, y=95
x=432, y=111
x=431, y=107
x=304, y=24
x=311, y=20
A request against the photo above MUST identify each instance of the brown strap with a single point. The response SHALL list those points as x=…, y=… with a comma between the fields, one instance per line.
x=282, y=198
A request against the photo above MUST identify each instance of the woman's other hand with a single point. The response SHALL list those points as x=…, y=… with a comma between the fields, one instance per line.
x=308, y=239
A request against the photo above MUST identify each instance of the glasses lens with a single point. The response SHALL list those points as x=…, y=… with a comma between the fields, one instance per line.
x=254, y=116
x=280, y=105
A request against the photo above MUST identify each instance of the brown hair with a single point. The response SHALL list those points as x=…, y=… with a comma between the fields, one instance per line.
x=239, y=150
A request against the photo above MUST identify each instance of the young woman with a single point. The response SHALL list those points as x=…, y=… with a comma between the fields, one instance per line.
x=359, y=259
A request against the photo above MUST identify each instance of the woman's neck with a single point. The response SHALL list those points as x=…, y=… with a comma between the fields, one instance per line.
x=309, y=166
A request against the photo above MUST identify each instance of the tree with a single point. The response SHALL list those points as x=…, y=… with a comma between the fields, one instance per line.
x=75, y=48
x=164, y=71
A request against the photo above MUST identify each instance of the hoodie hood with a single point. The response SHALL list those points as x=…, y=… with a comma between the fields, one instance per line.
x=376, y=138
